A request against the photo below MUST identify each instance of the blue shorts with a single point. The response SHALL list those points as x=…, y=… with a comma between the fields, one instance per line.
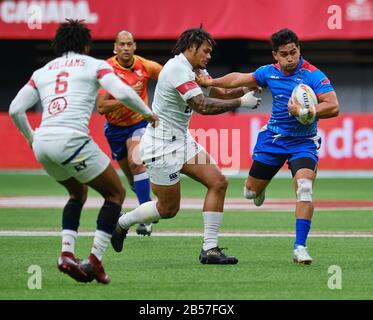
x=118, y=135
x=274, y=150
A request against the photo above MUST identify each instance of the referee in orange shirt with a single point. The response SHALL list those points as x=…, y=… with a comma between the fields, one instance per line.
x=124, y=128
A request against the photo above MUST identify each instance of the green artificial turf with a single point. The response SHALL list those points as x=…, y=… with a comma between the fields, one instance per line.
x=168, y=268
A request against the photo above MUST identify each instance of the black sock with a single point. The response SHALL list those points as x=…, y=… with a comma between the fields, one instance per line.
x=71, y=215
x=108, y=217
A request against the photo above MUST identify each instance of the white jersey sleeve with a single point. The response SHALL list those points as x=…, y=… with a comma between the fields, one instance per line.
x=103, y=68
x=183, y=80
x=25, y=99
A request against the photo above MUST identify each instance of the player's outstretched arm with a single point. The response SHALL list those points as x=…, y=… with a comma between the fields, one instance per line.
x=206, y=105
x=221, y=93
x=25, y=99
x=231, y=80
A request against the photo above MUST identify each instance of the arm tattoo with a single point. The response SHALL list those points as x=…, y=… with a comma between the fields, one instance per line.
x=206, y=105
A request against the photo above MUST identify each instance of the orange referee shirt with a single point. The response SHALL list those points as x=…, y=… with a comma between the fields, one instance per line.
x=141, y=70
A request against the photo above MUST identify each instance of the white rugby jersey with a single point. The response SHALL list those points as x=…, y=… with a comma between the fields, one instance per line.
x=67, y=88
x=176, y=84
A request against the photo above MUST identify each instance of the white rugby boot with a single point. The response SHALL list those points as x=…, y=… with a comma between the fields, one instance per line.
x=301, y=255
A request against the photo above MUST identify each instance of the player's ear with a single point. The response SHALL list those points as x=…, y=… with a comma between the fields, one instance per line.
x=134, y=46
x=193, y=48
x=274, y=54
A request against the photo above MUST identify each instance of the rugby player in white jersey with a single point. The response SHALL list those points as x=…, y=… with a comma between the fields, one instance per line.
x=169, y=149
x=67, y=88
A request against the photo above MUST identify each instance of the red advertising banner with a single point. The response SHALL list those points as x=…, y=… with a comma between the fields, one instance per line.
x=347, y=141
x=166, y=19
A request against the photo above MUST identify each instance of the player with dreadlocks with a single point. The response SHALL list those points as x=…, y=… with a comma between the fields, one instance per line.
x=67, y=87
x=169, y=149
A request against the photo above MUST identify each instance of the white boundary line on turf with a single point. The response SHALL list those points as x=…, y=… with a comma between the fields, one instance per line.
x=256, y=234
x=363, y=174
x=231, y=204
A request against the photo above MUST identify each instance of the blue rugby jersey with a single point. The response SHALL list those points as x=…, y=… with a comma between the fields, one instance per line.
x=281, y=86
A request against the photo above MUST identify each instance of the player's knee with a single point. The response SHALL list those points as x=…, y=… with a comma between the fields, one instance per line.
x=83, y=198
x=168, y=210
x=116, y=195
x=220, y=183
x=80, y=195
x=248, y=194
x=304, y=190
x=121, y=194
x=136, y=168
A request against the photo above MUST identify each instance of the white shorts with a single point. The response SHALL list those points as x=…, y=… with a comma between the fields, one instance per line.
x=78, y=157
x=164, y=158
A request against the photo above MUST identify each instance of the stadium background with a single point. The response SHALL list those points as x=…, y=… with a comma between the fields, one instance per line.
x=336, y=36
x=341, y=46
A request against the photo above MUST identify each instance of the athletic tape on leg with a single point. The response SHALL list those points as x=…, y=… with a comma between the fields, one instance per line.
x=304, y=190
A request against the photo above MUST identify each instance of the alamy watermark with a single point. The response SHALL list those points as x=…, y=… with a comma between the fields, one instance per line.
x=173, y=147
x=35, y=16
x=35, y=279
x=355, y=10
x=335, y=17
x=335, y=278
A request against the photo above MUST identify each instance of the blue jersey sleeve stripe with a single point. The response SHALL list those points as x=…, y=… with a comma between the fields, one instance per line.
x=319, y=93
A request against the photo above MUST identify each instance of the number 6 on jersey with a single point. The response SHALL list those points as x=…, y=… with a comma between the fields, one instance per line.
x=61, y=82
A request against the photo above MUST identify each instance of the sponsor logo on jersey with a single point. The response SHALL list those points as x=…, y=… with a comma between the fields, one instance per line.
x=80, y=166
x=57, y=105
x=173, y=176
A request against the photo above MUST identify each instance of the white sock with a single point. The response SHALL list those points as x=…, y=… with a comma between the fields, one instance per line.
x=140, y=176
x=145, y=213
x=100, y=243
x=212, y=221
x=68, y=240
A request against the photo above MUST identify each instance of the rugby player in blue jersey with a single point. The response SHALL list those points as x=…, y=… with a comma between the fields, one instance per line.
x=284, y=137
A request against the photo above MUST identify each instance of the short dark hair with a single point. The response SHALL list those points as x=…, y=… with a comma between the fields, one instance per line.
x=283, y=37
x=72, y=35
x=190, y=37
